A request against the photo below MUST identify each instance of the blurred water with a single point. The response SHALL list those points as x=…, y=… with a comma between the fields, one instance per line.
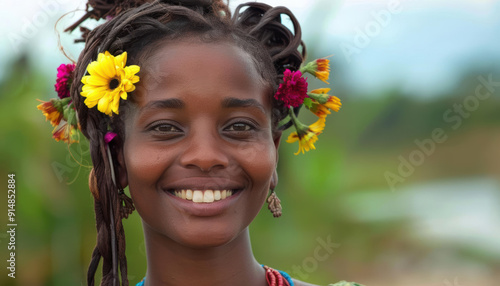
x=464, y=212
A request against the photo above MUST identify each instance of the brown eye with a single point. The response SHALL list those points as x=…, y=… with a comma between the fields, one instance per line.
x=166, y=128
x=240, y=126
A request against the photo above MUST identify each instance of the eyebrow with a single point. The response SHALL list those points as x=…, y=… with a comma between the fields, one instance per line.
x=230, y=102
x=166, y=103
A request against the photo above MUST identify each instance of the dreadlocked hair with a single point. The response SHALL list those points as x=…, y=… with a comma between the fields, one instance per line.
x=139, y=27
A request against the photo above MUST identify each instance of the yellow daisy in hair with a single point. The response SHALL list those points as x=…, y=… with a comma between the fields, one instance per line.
x=109, y=80
x=307, y=136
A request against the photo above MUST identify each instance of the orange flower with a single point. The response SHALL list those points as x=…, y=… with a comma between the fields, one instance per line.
x=323, y=69
x=66, y=133
x=322, y=101
x=51, y=112
x=319, y=68
x=333, y=103
x=319, y=109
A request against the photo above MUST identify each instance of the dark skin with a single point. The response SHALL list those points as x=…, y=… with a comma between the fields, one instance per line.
x=203, y=122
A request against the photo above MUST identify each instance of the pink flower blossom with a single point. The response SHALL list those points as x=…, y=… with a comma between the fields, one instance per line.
x=293, y=90
x=63, y=82
x=109, y=137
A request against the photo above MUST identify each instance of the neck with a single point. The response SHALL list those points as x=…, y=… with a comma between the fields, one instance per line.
x=170, y=263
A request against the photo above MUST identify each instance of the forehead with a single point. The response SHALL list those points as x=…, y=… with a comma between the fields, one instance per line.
x=197, y=68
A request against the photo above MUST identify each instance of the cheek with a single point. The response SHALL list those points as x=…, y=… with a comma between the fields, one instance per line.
x=259, y=162
x=260, y=168
x=141, y=164
x=145, y=164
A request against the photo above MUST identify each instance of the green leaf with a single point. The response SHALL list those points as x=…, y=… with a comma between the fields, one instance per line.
x=308, y=102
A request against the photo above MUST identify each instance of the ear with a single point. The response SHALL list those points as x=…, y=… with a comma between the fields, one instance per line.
x=277, y=140
x=121, y=171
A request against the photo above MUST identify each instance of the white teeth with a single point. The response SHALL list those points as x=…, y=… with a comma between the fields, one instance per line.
x=197, y=196
x=206, y=196
x=217, y=195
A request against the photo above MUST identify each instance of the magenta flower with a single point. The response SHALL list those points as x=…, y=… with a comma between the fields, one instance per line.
x=63, y=82
x=109, y=137
x=293, y=90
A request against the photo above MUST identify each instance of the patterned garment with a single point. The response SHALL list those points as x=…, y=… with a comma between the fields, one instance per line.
x=341, y=283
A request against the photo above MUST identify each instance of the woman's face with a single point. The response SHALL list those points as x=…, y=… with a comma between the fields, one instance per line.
x=201, y=130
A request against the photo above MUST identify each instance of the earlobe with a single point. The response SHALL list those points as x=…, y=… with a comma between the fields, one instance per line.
x=274, y=180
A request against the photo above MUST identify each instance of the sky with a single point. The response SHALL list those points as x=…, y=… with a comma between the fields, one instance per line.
x=419, y=46
x=424, y=47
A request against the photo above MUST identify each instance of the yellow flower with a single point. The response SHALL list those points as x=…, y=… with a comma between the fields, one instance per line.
x=323, y=69
x=319, y=109
x=109, y=80
x=320, y=68
x=322, y=101
x=333, y=103
x=51, y=112
x=307, y=136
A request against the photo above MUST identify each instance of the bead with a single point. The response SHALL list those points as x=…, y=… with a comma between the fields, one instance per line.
x=272, y=276
x=287, y=277
x=280, y=278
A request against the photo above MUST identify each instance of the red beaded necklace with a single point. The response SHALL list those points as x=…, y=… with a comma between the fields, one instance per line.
x=275, y=277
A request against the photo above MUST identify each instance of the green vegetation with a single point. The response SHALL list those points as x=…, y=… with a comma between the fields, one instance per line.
x=337, y=193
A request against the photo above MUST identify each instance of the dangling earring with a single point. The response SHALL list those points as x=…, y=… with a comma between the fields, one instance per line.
x=274, y=204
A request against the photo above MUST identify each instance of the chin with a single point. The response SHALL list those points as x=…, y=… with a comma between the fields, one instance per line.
x=206, y=233
x=208, y=240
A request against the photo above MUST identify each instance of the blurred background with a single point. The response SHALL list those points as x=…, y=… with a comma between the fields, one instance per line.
x=403, y=188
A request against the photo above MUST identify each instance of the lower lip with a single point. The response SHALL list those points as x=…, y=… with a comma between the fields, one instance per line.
x=204, y=209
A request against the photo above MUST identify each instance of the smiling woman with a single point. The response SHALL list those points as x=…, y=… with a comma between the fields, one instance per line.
x=186, y=105
x=186, y=135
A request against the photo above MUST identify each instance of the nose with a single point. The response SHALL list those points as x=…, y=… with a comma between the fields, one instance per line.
x=204, y=150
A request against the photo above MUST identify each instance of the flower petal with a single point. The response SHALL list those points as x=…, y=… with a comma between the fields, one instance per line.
x=102, y=72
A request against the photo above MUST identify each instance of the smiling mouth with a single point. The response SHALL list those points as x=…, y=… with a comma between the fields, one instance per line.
x=204, y=196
